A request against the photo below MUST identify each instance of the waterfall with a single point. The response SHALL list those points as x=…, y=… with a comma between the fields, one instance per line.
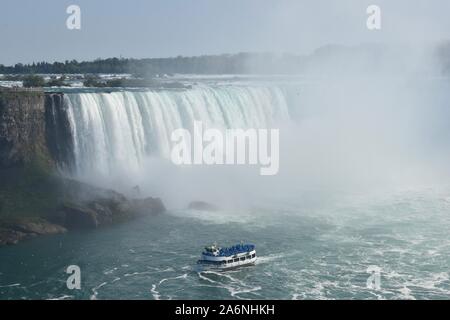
x=58, y=130
x=115, y=131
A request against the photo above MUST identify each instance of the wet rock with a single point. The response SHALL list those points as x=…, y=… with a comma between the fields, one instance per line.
x=79, y=217
x=38, y=227
x=151, y=206
x=13, y=232
x=8, y=236
x=106, y=211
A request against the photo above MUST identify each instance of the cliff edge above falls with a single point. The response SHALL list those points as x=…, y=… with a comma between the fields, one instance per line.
x=34, y=199
x=22, y=128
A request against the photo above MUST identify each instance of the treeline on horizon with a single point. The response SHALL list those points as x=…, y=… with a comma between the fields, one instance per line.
x=326, y=58
x=208, y=64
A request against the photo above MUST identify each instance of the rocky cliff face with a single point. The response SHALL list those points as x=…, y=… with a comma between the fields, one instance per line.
x=34, y=126
x=22, y=128
x=26, y=164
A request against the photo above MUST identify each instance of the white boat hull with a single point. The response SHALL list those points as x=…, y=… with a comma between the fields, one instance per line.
x=224, y=263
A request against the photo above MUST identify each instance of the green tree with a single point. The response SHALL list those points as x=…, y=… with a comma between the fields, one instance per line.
x=33, y=81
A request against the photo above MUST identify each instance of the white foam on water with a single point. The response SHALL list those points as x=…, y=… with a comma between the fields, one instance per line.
x=63, y=297
x=235, y=287
x=406, y=293
x=156, y=294
x=109, y=271
x=10, y=285
x=431, y=283
x=183, y=276
x=270, y=258
x=95, y=290
x=297, y=296
x=138, y=273
x=235, y=293
x=225, y=275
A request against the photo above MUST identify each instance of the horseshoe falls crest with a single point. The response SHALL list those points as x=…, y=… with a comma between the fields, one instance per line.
x=116, y=131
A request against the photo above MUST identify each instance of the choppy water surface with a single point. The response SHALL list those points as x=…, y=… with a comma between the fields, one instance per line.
x=303, y=254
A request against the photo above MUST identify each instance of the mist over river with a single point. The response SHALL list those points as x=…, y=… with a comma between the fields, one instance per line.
x=363, y=182
x=304, y=253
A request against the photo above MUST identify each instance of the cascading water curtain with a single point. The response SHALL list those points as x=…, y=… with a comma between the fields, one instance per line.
x=115, y=131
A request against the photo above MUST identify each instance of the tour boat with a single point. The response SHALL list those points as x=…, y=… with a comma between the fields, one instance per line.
x=215, y=257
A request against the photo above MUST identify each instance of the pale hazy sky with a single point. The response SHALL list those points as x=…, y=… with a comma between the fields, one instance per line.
x=33, y=30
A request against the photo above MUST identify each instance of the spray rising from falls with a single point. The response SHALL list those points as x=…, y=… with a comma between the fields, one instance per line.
x=114, y=132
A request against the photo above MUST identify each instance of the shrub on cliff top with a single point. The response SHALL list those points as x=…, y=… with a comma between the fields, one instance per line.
x=33, y=81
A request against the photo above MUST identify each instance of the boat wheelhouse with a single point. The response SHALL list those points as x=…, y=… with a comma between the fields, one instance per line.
x=215, y=257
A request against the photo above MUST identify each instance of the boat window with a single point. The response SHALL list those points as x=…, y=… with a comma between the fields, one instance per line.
x=236, y=260
x=243, y=258
x=253, y=255
x=229, y=261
